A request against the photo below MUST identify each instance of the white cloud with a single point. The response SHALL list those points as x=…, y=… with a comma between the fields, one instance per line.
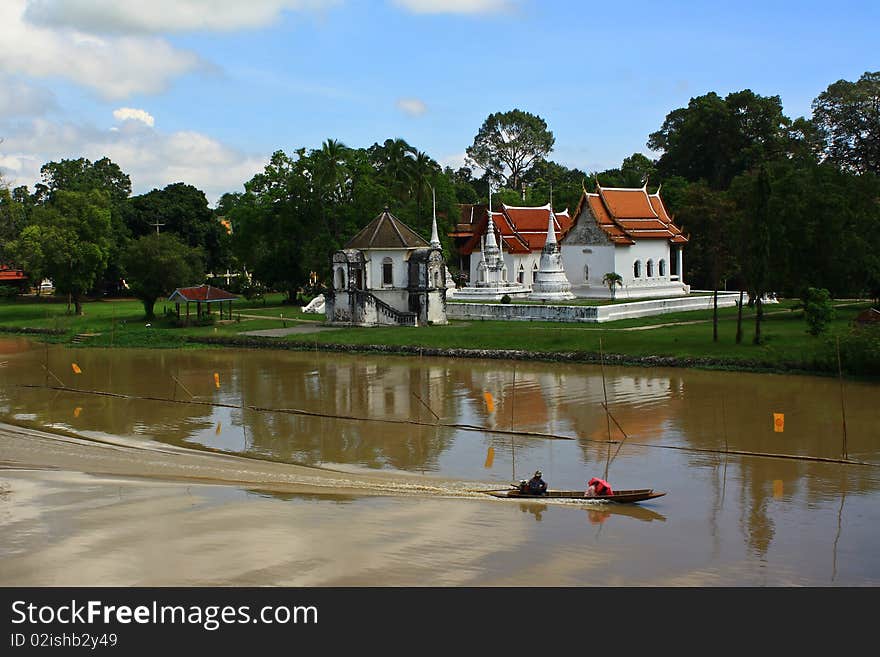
x=19, y=98
x=454, y=6
x=158, y=16
x=151, y=158
x=411, y=106
x=454, y=161
x=114, y=67
x=131, y=114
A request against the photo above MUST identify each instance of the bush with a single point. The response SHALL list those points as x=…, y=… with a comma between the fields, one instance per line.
x=9, y=291
x=505, y=298
x=860, y=351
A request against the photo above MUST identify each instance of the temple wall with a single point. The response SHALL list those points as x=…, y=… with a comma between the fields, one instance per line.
x=587, y=314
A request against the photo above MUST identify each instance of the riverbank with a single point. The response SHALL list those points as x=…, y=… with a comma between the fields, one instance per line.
x=681, y=339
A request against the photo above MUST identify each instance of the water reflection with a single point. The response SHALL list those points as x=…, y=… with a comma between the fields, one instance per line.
x=381, y=413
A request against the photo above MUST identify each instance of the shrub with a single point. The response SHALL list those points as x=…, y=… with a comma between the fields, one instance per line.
x=505, y=298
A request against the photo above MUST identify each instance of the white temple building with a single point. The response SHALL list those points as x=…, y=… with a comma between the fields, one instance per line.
x=626, y=231
x=388, y=274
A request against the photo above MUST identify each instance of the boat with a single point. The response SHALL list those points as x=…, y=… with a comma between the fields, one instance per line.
x=619, y=497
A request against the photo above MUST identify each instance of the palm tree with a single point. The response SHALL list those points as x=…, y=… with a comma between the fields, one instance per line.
x=423, y=170
x=612, y=279
x=330, y=175
x=394, y=163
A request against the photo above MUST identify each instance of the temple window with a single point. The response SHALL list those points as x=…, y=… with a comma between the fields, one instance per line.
x=637, y=269
x=387, y=272
x=586, y=273
x=340, y=279
x=650, y=269
x=662, y=268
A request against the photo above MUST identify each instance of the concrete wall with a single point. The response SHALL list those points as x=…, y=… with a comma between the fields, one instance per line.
x=588, y=314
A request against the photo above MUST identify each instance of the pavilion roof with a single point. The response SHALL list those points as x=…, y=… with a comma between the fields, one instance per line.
x=202, y=294
x=386, y=232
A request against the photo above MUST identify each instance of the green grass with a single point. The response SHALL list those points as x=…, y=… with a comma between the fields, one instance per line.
x=786, y=343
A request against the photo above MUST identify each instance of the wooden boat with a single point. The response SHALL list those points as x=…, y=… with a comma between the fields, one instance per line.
x=619, y=497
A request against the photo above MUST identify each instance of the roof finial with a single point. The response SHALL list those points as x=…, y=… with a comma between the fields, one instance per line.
x=551, y=198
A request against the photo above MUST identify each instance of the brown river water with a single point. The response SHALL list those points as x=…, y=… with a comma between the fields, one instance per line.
x=361, y=470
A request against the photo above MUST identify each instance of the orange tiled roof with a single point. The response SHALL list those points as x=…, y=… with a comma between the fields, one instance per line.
x=626, y=214
x=521, y=229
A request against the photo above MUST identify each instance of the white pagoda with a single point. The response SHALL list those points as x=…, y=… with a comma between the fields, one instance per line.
x=551, y=283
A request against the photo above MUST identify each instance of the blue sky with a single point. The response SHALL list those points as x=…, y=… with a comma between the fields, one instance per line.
x=203, y=91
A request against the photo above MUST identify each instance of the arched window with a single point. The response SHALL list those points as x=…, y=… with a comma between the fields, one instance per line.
x=521, y=275
x=650, y=269
x=387, y=272
x=662, y=268
x=637, y=269
x=437, y=278
x=586, y=273
x=534, y=272
x=340, y=278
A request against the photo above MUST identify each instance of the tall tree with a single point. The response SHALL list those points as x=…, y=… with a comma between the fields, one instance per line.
x=74, y=232
x=183, y=210
x=847, y=116
x=753, y=196
x=83, y=175
x=711, y=217
x=715, y=139
x=508, y=144
x=157, y=264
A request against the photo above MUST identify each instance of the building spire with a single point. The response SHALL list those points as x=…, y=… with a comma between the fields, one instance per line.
x=551, y=230
x=435, y=239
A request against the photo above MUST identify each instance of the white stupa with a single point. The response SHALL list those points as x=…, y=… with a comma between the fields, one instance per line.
x=551, y=283
x=435, y=243
x=491, y=283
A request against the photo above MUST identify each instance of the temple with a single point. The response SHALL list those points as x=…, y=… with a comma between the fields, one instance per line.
x=629, y=232
x=388, y=274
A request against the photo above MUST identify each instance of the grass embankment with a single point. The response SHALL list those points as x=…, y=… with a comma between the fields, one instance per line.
x=121, y=322
x=682, y=339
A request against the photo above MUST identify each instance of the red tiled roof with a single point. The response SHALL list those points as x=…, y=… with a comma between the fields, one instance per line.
x=8, y=273
x=202, y=293
x=522, y=230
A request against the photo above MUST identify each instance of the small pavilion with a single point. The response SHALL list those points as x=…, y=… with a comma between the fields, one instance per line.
x=203, y=294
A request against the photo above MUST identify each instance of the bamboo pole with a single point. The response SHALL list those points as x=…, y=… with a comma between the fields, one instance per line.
x=430, y=410
x=607, y=413
x=842, y=401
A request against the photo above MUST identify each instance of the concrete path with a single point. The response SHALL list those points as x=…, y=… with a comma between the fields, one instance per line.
x=281, y=332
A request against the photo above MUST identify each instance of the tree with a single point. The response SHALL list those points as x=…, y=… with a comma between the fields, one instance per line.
x=711, y=215
x=82, y=175
x=74, y=232
x=755, y=239
x=183, y=210
x=818, y=310
x=510, y=142
x=612, y=279
x=716, y=139
x=847, y=117
x=157, y=264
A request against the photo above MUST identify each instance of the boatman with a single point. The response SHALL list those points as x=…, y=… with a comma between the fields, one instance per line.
x=537, y=486
x=598, y=487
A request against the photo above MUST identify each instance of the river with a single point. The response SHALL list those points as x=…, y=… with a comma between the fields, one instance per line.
x=360, y=470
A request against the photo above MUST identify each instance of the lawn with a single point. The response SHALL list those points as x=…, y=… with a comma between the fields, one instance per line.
x=684, y=335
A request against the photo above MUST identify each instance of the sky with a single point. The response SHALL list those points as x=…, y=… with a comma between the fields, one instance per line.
x=204, y=91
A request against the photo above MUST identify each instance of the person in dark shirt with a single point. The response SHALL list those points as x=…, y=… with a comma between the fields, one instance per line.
x=537, y=486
